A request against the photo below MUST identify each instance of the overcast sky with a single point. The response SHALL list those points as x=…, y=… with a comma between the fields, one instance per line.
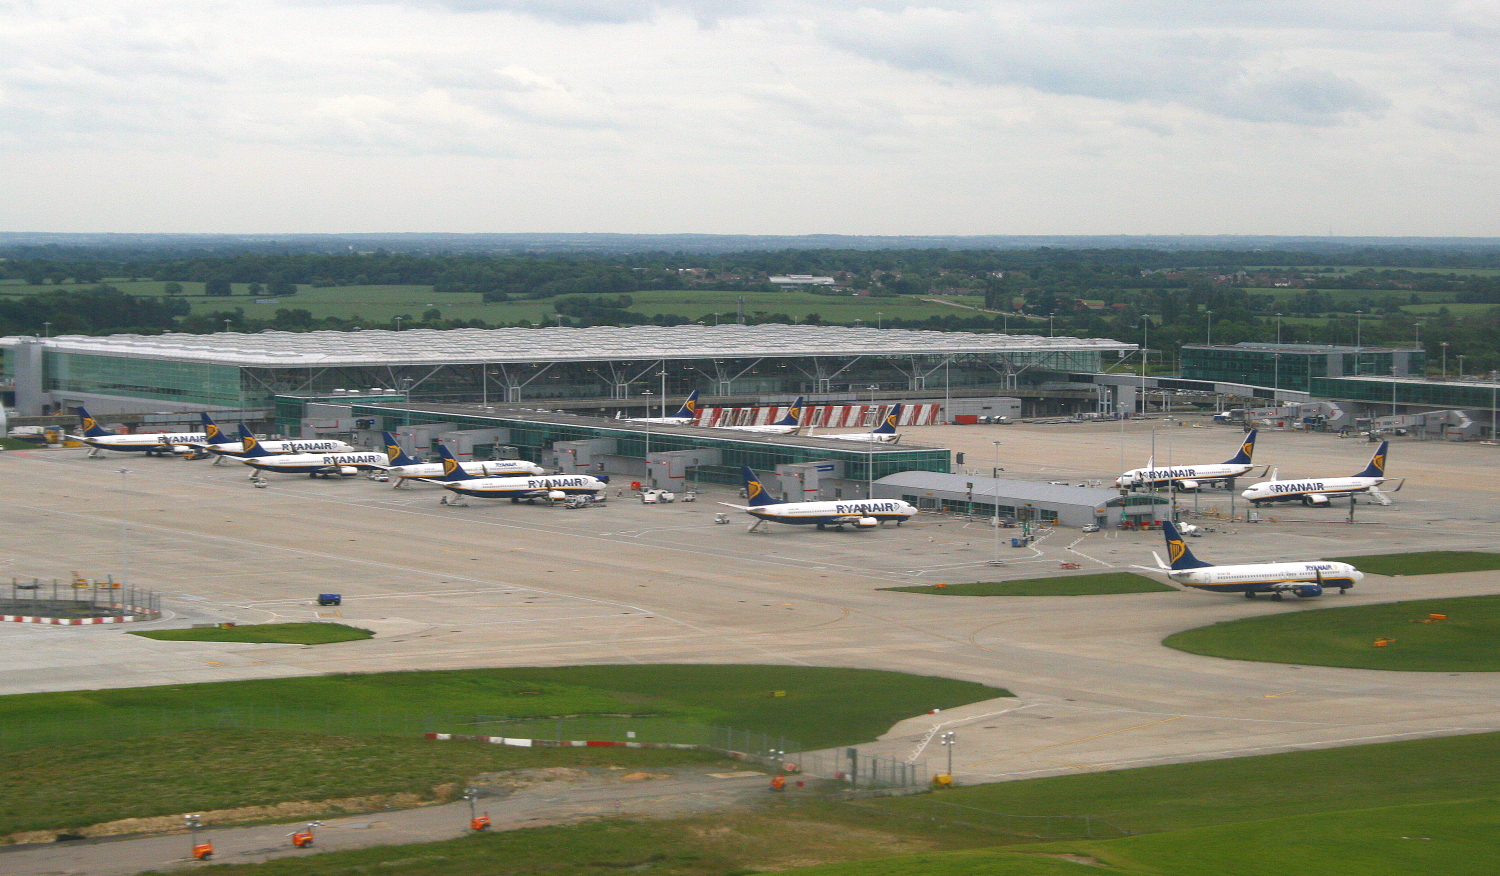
x=751, y=116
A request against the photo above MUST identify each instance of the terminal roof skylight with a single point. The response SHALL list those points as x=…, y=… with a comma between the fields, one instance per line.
x=427, y=346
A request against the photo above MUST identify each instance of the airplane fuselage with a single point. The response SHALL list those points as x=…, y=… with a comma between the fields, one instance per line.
x=1266, y=576
x=164, y=442
x=491, y=469
x=1310, y=491
x=315, y=463
x=834, y=513
x=867, y=437
x=526, y=488
x=1197, y=474
x=237, y=449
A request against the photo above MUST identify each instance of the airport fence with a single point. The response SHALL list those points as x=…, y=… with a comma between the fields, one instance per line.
x=77, y=599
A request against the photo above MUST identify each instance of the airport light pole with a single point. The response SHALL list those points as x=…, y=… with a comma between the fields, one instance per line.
x=647, y=393
x=1210, y=341
x=949, y=739
x=879, y=319
x=996, y=475
x=398, y=322
x=46, y=330
x=1278, y=328
x=124, y=540
x=870, y=452
x=1445, y=359
x=1460, y=366
x=1276, y=390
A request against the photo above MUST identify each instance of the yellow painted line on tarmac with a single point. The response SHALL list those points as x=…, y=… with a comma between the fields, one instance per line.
x=1084, y=739
x=1282, y=694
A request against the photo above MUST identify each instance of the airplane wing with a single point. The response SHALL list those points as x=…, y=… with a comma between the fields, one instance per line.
x=736, y=507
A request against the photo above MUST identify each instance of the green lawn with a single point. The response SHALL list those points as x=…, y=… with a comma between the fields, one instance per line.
x=1062, y=584
x=1424, y=562
x=1418, y=807
x=63, y=787
x=1468, y=641
x=821, y=707
x=286, y=634
x=82, y=757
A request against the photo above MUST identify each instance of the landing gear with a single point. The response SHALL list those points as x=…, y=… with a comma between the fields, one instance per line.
x=1249, y=594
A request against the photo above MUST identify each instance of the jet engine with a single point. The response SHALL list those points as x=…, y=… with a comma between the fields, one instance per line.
x=1306, y=590
x=556, y=495
x=866, y=523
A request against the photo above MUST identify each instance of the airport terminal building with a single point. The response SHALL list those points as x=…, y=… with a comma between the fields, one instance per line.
x=627, y=366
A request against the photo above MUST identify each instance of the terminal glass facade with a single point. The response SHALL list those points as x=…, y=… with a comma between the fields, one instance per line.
x=195, y=383
x=1295, y=366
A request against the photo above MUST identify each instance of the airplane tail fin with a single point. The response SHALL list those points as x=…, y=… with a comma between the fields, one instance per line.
x=793, y=414
x=888, y=425
x=1376, y=468
x=689, y=407
x=755, y=493
x=90, y=426
x=211, y=431
x=1178, y=553
x=1247, y=450
x=393, y=452
x=452, y=471
x=249, y=444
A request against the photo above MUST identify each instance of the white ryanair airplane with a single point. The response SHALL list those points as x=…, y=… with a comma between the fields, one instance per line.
x=1306, y=578
x=405, y=467
x=150, y=443
x=789, y=424
x=1191, y=477
x=311, y=464
x=1317, y=491
x=552, y=487
x=858, y=513
x=885, y=433
x=222, y=448
x=684, y=417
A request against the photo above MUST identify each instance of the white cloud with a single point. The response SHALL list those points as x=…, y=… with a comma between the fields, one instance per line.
x=758, y=115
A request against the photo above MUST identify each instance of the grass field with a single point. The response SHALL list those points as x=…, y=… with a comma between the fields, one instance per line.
x=106, y=754
x=379, y=305
x=285, y=634
x=1468, y=641
x=1418, y=807
x=1061, y=585
x=820, y=708
x=1424, y=562
x=62, y=787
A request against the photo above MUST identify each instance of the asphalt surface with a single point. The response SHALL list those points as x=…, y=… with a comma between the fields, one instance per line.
x=566, y=797
x=502, y=585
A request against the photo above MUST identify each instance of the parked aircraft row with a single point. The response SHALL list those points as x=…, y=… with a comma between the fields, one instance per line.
x=519, y=480
x=1308, y=491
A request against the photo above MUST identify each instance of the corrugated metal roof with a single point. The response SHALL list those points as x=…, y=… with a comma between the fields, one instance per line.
x=435, y=347
x=1031, y=491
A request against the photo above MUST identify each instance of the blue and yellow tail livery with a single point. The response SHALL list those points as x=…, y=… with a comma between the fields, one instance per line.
x=250, y=445
x=1247, y=450
x=452, y=471
x=793, y=414
x=394, y=453
x=755, y=491
x=888, y=425
x=90, y=426
x=689, y=407
x=1376, y=468
x=1179, y=556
